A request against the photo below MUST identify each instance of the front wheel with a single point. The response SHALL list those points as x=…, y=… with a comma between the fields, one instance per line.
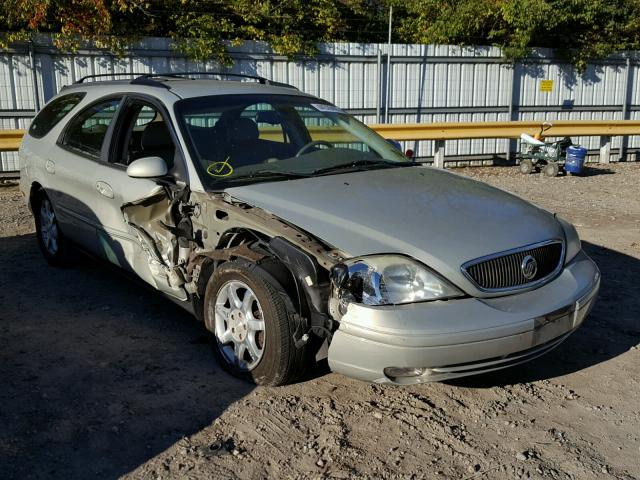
x=252, y=325
x=526, y=166
x=54, y=245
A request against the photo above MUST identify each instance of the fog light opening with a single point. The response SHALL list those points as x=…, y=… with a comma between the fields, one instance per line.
x=404, y=372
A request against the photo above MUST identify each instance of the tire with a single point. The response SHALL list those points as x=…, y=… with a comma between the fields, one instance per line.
x=526, y=166
x=551, y=169
x=261, y=322
x=55, y=247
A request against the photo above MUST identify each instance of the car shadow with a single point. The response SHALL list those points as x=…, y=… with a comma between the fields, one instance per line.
x=610, y=330
x=98, y=375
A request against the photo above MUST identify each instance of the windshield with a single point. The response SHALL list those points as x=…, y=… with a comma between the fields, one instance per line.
x=250, y=138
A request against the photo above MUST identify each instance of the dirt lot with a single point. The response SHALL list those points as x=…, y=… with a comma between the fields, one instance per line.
x=101, y=378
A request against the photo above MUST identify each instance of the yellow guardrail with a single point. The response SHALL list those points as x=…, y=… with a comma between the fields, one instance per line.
x=10, y=139
x=470, y=130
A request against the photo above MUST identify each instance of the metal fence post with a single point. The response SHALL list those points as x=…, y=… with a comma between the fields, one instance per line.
x=514, y=106
x=628, y=82
x=34, y=73
x=605, y=149
x=379, y=85
x=387, y=103
x=438, y=153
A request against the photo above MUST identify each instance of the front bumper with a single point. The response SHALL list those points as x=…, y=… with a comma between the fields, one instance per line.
x=455, y=338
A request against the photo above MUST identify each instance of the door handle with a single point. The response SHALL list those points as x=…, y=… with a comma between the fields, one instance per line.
x=104, y=189
x=50, y=166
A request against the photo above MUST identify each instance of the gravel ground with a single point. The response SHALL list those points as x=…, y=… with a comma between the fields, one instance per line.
x=102, y=378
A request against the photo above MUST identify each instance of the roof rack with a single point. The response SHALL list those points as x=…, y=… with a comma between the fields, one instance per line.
x=100, y=75
x=148, y=78
x=155, y=79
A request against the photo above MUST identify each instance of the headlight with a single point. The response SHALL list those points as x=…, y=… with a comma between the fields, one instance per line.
x=392, y=279
x=571, y=238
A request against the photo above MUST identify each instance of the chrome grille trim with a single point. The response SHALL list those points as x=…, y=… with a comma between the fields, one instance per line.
x=508, y=269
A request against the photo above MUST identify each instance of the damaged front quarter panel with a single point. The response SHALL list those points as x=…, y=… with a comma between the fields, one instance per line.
x=162, y=225
x=230, y=229
x=219, y=213
x=184, y=235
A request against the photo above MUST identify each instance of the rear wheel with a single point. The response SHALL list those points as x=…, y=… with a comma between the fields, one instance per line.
x=54, y=245
x=252, y=325
x=551, y=169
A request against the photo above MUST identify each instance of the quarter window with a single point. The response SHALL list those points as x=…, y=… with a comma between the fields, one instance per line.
x=86, y=132
x=52, y=113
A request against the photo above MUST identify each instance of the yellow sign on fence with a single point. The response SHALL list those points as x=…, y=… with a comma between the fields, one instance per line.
x=546, y=85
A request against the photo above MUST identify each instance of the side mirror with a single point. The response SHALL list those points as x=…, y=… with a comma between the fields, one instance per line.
x=147, y=167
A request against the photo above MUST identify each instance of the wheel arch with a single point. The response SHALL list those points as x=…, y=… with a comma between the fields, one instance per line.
x=295, y=271
x=34, y=191
x=248, y=245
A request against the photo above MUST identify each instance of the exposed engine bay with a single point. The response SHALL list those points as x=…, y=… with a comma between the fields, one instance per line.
x=187, y=235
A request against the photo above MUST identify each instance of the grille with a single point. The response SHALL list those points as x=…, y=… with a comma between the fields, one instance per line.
x=504, y=270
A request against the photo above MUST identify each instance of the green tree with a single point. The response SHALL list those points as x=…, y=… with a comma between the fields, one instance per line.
x=199, y=27
x=579, y=30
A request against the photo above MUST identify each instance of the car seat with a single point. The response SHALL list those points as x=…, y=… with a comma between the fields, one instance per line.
x=156, y=142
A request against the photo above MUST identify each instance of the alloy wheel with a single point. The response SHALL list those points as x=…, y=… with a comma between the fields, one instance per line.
x=239, y=325
x=48, y=227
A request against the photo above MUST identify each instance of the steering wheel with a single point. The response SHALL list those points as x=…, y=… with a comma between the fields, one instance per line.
x=313, y=144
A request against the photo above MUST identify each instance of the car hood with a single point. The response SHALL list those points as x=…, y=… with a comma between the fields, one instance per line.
x=440, y=218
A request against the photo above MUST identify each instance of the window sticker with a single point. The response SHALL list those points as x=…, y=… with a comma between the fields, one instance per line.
x=323, y=107
x=220, y=169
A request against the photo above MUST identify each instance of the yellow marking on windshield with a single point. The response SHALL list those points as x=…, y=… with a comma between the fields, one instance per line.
x=220, y=169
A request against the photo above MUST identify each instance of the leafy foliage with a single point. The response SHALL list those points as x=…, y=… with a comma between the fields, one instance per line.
x=578, y=29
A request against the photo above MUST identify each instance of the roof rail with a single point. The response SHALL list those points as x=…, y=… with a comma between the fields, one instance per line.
x=155, y=79
x=150, y=78
x=100, y=75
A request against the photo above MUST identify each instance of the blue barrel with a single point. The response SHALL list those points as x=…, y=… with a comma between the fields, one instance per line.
x=575, y=159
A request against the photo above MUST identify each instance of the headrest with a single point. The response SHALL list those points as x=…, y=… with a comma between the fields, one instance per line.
x=243, y=130
x=156, y=136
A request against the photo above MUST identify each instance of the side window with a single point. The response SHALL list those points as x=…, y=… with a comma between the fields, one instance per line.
x=202, y=120
x=325, y=129
x=144, y=134
x=52, y=113
x=86, y=131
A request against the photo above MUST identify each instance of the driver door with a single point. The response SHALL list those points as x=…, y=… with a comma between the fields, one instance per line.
x=141, y=131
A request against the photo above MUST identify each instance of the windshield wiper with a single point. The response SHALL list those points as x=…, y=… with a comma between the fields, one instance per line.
x=268, y=174
x=363, y=163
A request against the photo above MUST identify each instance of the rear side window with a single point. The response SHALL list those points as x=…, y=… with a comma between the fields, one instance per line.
x=52, y=113
x=87, y=130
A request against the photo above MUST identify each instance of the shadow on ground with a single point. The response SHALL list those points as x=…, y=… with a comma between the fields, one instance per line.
x=98, y=374
x=611, y=329
x=589, y=171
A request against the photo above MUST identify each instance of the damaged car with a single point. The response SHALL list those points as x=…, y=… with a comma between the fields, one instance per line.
x=297, y=234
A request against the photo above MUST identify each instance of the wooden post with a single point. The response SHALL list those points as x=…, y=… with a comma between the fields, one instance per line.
x=605, y=149
x=438, y=153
